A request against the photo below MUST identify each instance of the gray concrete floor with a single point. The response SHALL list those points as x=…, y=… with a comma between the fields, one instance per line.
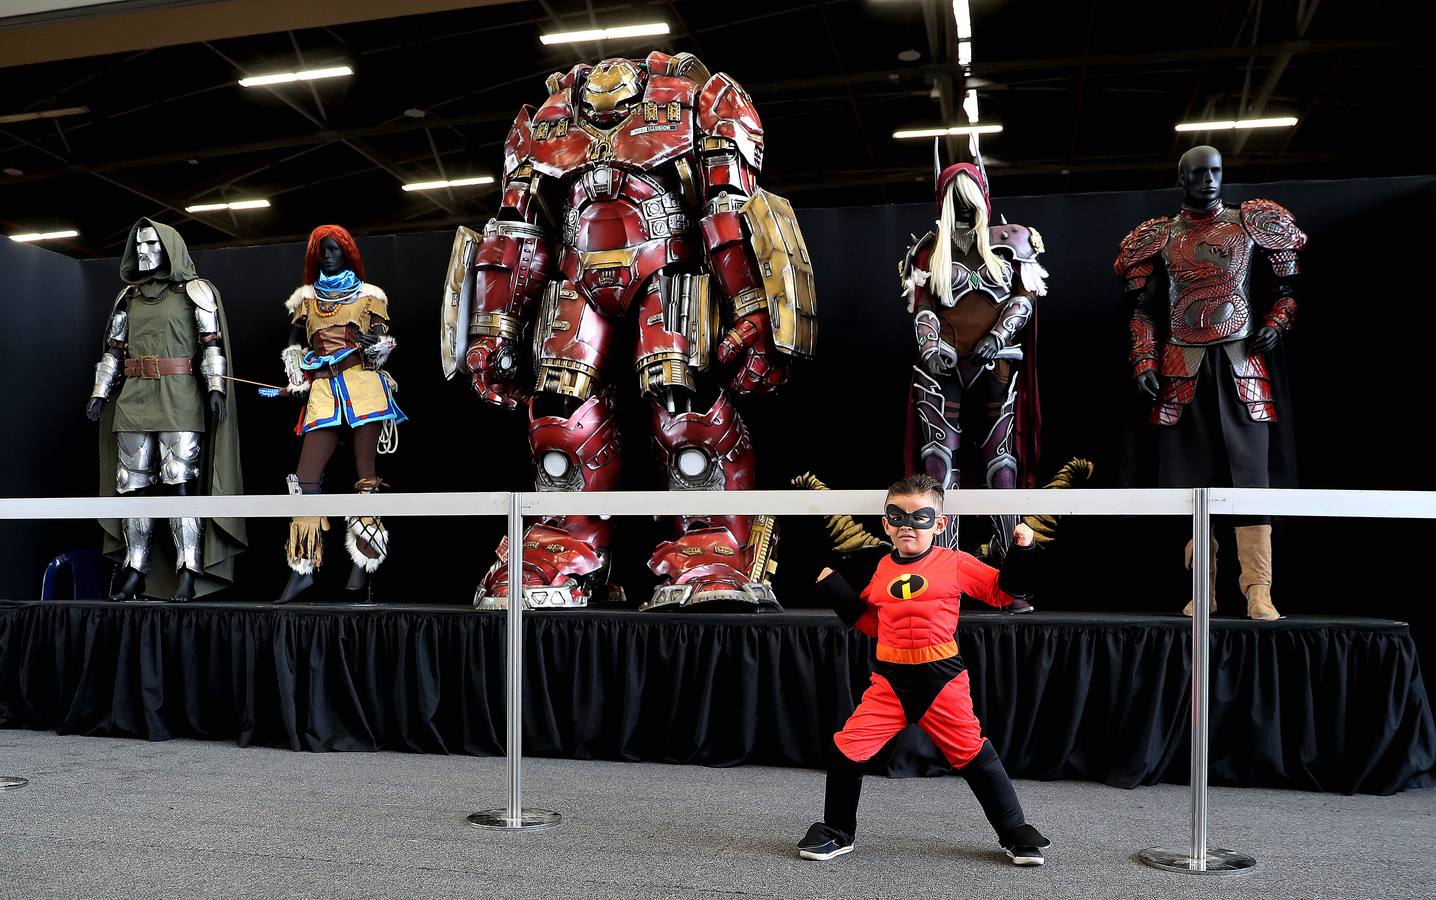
x=118, y=818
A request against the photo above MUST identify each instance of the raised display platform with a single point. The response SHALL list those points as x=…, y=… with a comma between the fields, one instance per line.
x=1334, y=704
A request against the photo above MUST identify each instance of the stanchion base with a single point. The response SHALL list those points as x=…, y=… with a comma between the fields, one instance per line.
x=1219, y=862
x=10, y=782
x=528, y=820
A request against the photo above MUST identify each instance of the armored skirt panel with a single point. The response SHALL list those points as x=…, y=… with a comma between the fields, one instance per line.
x=354, y=397
x=162, y=328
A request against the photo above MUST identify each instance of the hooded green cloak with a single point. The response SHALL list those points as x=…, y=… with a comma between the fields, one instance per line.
x=224, y=538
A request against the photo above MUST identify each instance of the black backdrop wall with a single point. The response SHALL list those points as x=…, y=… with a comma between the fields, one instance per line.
x=47, y=450
x=1360, y=396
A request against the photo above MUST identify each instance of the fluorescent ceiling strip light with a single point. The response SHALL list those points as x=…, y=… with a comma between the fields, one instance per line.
x=456, y=182
x=963, y=15
x=42, y=236
x=238, y=204
x=291, y=77
x=1239, y=124
x=943, y=132
x=604, y=34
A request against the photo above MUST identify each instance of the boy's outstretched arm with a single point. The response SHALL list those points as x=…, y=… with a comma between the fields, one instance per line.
x=994, y=587
x=835, y=592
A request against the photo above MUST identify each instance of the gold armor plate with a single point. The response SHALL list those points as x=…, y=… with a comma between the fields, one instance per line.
x=786, y=270
x=458, y=300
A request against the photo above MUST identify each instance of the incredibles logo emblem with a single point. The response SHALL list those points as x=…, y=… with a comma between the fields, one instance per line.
x=907, y=586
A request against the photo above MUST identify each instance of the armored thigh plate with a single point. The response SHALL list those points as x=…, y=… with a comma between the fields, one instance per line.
x=179, y=455
x=571, y=342
x=138, y=455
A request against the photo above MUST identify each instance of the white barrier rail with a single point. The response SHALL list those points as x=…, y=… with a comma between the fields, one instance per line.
x=1165, y=502
x=1083, y=502
x=259, y=506
x=599, y=503
x=1331, y=504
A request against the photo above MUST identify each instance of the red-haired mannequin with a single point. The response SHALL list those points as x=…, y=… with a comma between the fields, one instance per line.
x=337, y=349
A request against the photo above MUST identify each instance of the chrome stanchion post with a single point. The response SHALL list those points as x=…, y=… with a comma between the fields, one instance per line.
x=1198, y=859
x=514, y=817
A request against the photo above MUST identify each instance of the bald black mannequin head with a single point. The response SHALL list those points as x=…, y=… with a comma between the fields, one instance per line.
x=1200, y=175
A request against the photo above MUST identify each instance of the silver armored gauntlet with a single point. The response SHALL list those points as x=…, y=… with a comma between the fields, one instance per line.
x=213, y=366
x=107, y=372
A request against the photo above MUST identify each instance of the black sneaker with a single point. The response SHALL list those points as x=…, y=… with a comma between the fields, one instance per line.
x=822, y=842
x=1018, y=606
x=1024, y=846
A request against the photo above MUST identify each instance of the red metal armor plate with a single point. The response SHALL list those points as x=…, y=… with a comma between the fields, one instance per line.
x=1208, y=262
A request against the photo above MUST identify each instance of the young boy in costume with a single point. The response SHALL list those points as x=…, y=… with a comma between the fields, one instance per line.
x=911, y=607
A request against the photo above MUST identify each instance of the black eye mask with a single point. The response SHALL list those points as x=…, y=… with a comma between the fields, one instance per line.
x=921, y=519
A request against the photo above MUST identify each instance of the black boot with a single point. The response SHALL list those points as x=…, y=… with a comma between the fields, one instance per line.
x=358, y=581
x=131, y=585
x=297, y=584
x=184, y=593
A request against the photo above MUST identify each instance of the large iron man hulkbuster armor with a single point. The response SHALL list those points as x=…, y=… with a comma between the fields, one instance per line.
x=1208, y=258
x=632, y=217
x=972, y=366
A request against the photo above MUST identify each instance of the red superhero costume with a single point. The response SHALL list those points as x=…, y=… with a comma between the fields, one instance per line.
x=633, y=236
x=911, y=607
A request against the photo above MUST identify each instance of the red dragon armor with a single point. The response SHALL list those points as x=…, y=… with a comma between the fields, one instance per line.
x=1208, y=259
x=632, y=217
x=1000, y=393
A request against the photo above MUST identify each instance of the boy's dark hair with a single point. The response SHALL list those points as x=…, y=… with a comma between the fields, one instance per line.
x=917, y=486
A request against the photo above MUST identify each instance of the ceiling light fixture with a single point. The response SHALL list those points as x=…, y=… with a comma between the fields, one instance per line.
x=604, y=34
x=291, y=77
x=452, y=183
x=43, y=236
x=943, y=132
x=216, y=207
x=1239, y=124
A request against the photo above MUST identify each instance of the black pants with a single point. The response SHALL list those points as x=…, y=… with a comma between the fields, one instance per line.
x=1215, y=443
x=985, y=775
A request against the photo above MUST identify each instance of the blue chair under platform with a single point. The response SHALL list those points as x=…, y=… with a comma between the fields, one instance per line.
x=90, y=575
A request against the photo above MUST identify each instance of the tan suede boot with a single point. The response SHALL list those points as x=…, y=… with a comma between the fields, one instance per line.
x=1187, y=561
x=1254, y=555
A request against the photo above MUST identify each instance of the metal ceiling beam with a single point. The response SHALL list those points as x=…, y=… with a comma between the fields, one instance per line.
x=365, y=151
x=120, y=27
x=322, y=136
x=1307, y=9
x=1054, y=167
x=884, y=77
x=1075, y=64
x=173, y=205
x=942, y=50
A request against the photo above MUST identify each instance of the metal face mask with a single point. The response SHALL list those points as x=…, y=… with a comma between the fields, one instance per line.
x=610, y=89
x=151, y=252
x=920, y=519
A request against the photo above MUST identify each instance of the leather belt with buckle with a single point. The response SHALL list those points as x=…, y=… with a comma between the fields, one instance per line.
x=156, y=366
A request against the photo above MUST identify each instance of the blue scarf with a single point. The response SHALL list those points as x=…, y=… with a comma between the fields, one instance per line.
x=340, y=287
